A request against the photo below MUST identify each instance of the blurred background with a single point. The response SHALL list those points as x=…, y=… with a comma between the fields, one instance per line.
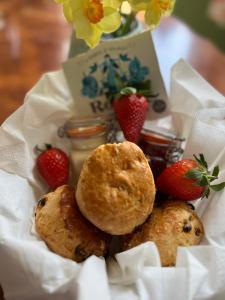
x=34, y=39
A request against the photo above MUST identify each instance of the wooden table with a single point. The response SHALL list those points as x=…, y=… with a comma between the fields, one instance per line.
x=34, y=39
x=174, y=40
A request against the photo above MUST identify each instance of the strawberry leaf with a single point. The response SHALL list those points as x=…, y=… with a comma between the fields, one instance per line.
x=203, y=161
x=38, y=150
x=218, y=187
x=203, y=177
x=197, y=159
x=206, y=193
x=48, y=146
x=128, y=91
x=194, y=174
x=215, y=173
x=204, y=181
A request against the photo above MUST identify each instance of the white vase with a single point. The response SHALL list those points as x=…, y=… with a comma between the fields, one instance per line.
x=78, y=46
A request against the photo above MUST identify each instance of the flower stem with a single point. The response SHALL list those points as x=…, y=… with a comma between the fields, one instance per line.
x=127, y=25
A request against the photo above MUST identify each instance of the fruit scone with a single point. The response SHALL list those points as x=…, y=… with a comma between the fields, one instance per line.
x=66, y=232
x=172, y=224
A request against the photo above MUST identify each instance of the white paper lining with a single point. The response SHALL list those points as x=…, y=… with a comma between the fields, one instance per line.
x=29, y=271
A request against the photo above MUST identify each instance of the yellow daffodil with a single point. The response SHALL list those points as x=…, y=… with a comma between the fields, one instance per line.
x=92, y=18
x=154, y=9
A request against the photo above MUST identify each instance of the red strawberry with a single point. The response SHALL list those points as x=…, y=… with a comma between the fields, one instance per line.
x=188, y=179
x=53, y=166
x=131, y=111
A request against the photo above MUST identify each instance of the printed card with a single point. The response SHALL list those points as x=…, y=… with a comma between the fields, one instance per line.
x=96, y=77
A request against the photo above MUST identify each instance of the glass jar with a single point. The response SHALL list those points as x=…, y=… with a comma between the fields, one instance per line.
x=161, y=147
x=85, y=136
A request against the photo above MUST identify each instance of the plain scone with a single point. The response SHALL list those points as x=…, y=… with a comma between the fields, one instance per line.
x=172, y=224
x=116, y=189
x=66, y=232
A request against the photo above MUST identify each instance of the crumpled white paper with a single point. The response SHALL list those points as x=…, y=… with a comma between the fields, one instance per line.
x=29, y=271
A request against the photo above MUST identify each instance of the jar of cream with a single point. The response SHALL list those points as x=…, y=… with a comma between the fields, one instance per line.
x=85, y=136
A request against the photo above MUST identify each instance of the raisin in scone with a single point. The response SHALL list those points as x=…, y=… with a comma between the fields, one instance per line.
x=66, y=232
x=116, y=189
x=172, y=224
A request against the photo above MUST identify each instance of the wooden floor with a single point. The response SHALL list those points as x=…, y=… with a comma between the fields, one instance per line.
x=34, y=39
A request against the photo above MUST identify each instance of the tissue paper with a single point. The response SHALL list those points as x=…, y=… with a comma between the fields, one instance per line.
x=30, y=271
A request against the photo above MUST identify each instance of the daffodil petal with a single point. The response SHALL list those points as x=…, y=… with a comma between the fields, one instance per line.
x=68, y=13
x=171, y=8
x=139, y=5
x=87, y=31
x=111, y=21
x=69, y=8
x=75, y=12
x=152, y=18
x=71, y=4
x=60, y=1
x=112, y=3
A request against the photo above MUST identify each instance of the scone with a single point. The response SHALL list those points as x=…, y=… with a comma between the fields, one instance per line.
x=66, y=232
x=116, y=189
x=169, y=226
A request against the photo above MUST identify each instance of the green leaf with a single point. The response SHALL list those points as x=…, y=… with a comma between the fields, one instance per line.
x=203, y=177
x=194, y=174
x=48, y=146
x=218, y=187
x=197, y=159
x=203, y=181
x=128, y=91
x=206, y=193
x=215, y=172
x=143, y=85
x=203, y=161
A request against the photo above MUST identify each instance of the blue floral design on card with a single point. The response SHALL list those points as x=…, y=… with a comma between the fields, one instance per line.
x=137, y=72
x=90, y=87
x=114, y=73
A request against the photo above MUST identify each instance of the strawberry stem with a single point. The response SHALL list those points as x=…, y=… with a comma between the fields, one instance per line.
x=203, y=177
x=48, y=146
x=38, y=150
x=128, y=91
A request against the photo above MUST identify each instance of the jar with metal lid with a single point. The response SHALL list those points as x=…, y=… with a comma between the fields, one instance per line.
x=162, y=147
x=85, y=136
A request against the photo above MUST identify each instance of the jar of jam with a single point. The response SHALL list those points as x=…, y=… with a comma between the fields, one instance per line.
x=85, y=136
x=161, y=147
